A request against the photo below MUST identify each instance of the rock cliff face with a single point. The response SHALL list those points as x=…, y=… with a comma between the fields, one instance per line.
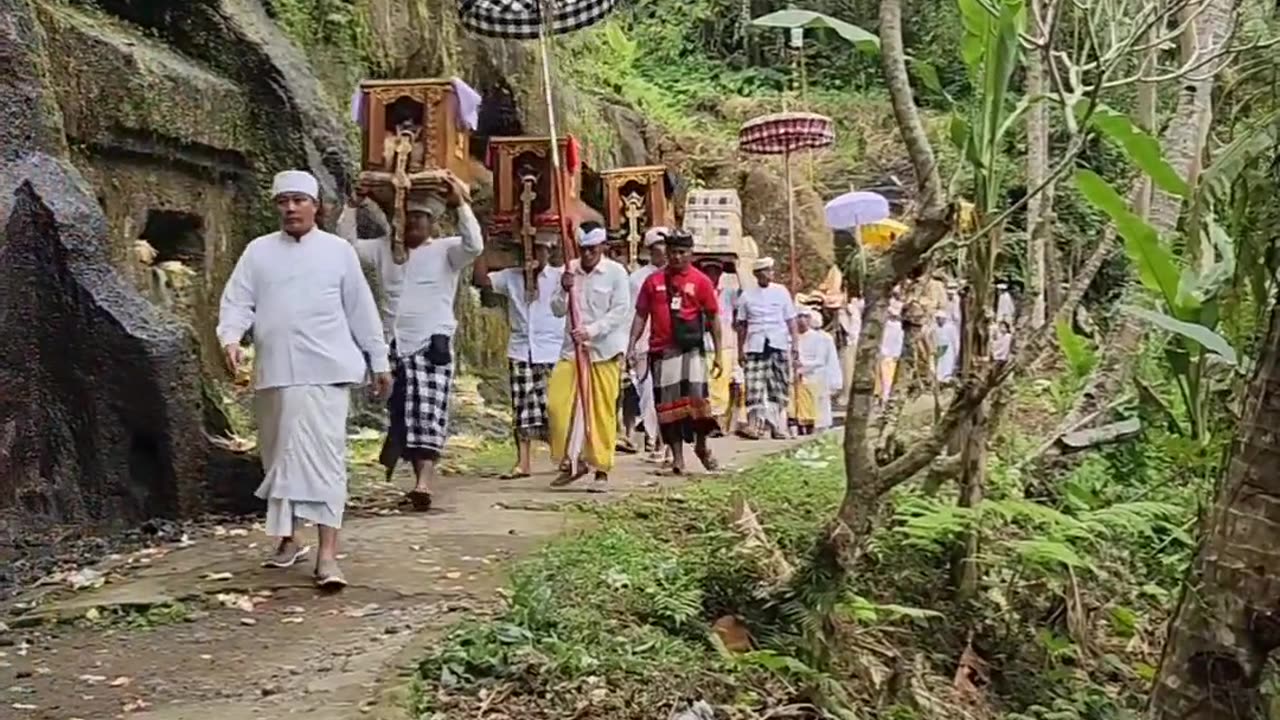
x=124, y=122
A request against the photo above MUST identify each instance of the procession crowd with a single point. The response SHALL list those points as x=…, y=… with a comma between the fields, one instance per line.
x=596, y=354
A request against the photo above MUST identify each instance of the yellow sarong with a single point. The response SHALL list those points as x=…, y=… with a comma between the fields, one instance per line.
x=804, y=409
x=718, y=387
x=562, y=397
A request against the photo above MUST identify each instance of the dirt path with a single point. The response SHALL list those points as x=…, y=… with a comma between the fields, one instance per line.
x=198, y=632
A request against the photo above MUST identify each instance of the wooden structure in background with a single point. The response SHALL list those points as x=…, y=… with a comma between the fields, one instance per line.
x=412, y=141
x=635, y=199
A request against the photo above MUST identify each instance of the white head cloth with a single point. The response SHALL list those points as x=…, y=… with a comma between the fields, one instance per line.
x=763, y=263
x=295, y=181
x=815, y=318
x=655, y=235
x=593, y=238
x=430, y=204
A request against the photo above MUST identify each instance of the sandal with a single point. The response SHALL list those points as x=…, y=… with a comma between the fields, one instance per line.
x=566, y=477
x=708, y=461
x=668, y=472
x=515, y=474
x=625, y=447
x=329, y=576
x=600, y=483
x=418, y=500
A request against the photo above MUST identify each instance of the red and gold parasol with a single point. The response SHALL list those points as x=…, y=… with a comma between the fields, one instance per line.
x=783, y=134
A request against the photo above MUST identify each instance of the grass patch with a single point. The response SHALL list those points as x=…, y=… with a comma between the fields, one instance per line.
x=616, y=621
x=615, y=618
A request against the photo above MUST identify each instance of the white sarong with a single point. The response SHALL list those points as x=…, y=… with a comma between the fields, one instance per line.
x=302, y=436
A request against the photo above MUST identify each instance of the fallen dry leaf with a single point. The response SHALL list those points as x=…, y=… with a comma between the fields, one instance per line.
x=93, y=679
x=122, y=681
x=366, y=611
x=217, y=576
x=294, y=610
x=248, y=621
x=235, y=600
x=291, y=620
x=86, y=578
x=135, y=705
x=454, y=575
x=92, y=614
x=732, y=633
x=237, y=532
x=23, y=706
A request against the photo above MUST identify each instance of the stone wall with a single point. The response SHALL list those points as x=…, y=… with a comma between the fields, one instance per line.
x=125, y=121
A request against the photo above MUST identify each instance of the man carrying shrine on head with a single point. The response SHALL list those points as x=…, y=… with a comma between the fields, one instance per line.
x=420, y=323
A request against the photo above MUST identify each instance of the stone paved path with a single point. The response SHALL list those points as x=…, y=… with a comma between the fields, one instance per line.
x=287, y=651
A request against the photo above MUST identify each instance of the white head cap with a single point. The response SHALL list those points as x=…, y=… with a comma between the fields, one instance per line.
x=295, y=181
x=430, y=204
x=763, y=263
x=655, y=235
x=940, y=315
x=1002, y=285
x=815, y=318
x=593, y=238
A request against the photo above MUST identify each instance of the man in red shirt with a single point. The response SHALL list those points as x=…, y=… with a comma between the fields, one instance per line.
x=681, y=307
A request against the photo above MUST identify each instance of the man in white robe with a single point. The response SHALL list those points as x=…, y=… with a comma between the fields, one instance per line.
x=1005, y=310
x=819, y=370
x=533, y=346
x=947, y=341
x=891, y=341
x=420, y=325
x=637, y=382
x=766, y=330
x=302, y=291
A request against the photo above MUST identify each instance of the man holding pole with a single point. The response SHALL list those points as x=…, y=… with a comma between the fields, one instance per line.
x=601, y=291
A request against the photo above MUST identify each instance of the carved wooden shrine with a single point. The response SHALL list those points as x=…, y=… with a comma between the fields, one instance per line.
x=413, y=138
x=523, y=200
x=635, y=200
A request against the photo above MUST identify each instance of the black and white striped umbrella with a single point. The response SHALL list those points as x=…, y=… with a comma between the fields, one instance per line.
x=528, y=19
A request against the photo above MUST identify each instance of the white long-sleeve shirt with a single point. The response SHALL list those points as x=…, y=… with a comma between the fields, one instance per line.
x=604, y=299
x=819, y=360
x=636, y=281
x=420, y=293
x=310, y=308
x=536, y=333
x=767, y=312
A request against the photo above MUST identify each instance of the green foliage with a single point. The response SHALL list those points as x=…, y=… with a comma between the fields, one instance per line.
x=1081, y=358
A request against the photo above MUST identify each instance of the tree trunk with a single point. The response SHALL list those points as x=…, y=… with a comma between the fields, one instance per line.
x=1037, y=172
x=974, y=361
x=1228, y=620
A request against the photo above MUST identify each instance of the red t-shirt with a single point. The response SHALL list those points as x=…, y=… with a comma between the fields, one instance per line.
x=697, y=295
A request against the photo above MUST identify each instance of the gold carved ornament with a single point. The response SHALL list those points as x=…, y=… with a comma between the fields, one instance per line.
x=401, y=182
x=528, y=182
x=633, y=211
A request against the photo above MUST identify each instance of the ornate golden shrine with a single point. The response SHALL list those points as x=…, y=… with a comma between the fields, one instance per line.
x=413, y=139
x=635, y=200
x=522, y=195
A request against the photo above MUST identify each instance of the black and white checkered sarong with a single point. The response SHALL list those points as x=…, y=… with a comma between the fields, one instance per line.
x=529, y=398
x=419, y=406
x=768, y=380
